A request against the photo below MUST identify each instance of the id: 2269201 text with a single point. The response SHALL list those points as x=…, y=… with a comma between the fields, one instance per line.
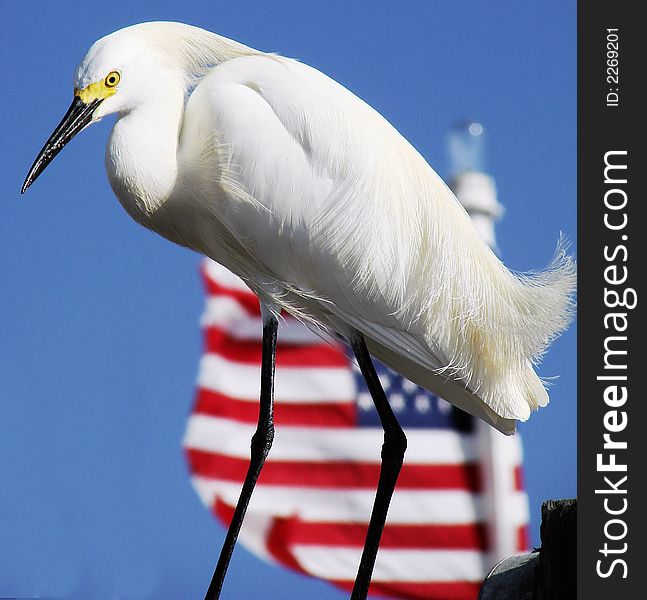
x=613, y=67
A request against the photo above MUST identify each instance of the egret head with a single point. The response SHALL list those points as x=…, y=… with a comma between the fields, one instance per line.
x=119, y=73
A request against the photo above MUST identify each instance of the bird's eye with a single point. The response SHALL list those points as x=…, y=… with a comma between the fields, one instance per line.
x=112, y=79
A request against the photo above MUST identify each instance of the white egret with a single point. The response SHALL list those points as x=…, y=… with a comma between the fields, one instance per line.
x=282, y=175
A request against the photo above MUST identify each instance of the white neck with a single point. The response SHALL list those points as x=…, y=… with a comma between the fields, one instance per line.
x=141, y=156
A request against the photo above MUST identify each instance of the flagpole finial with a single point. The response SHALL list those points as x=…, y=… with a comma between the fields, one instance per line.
x=474, y=188
x=466, y=143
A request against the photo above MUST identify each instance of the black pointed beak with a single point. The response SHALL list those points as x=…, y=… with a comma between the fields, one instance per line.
x=78, y=116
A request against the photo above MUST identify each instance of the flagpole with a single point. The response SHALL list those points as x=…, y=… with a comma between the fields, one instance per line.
x=476, y=190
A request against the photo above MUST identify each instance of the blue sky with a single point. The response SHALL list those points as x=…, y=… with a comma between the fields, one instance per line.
x=99, y=336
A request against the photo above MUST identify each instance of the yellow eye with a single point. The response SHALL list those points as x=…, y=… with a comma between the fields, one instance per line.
x=112, y=79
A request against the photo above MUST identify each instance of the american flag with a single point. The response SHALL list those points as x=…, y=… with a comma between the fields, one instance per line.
x=310, y=509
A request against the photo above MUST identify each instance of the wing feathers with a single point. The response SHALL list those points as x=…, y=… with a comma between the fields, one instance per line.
x=360, y=232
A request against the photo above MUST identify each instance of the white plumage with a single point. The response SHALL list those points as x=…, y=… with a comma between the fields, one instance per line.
x=285, y=177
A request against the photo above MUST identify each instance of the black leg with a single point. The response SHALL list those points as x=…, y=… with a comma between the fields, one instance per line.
x=260, y=447
x=395, y=444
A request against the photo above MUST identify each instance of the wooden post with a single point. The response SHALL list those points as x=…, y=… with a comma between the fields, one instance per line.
x=556, y=575
x=546, y=574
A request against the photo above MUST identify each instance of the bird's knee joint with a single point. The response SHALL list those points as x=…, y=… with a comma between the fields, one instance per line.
x=262, y=439
x=395, y=445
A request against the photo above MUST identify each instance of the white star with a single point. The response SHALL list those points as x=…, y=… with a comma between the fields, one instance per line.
x=364, y=401
x=422, y=403
x=409, y=386
x=444, y=406
x=385, y=380
x=397, y=402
